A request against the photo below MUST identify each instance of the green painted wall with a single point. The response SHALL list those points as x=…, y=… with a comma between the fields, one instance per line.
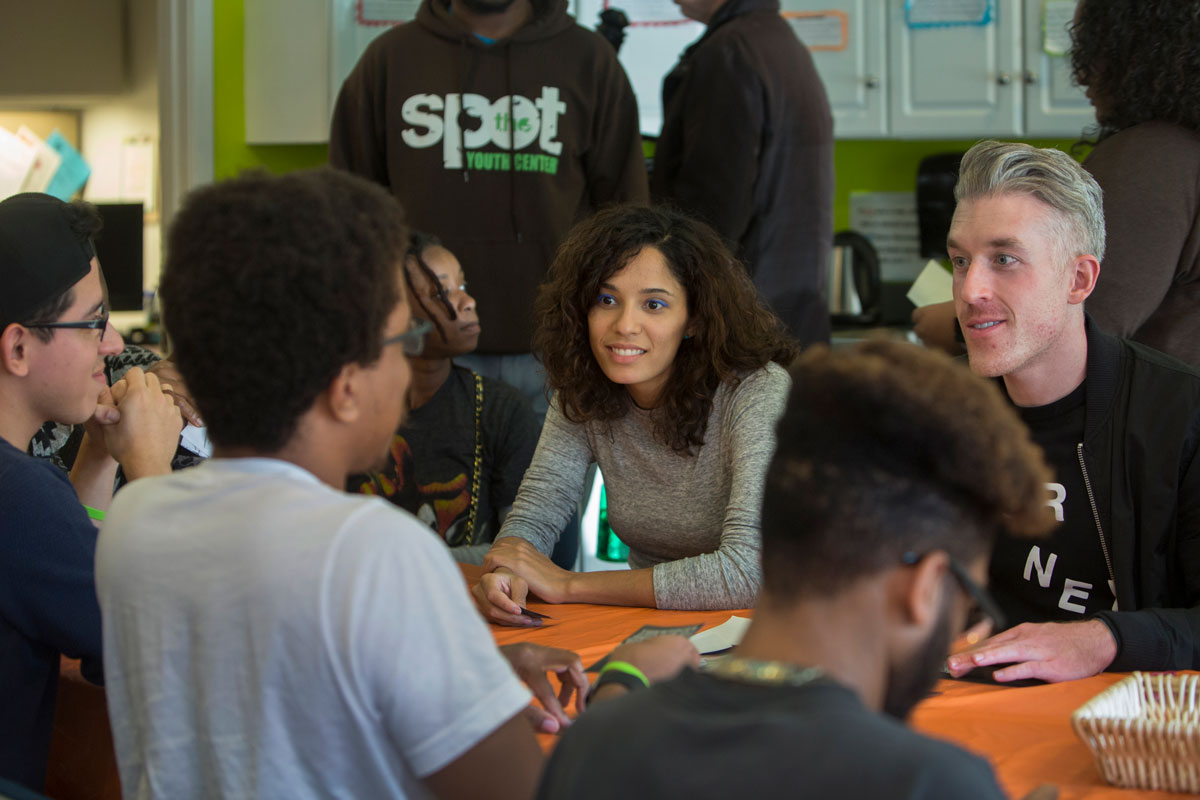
x=231, y=154
x=860, y=165
x=891, y=166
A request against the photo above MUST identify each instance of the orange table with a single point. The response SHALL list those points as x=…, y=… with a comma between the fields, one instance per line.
x=1025, y=733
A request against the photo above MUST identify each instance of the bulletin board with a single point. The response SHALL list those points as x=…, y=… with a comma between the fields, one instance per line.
x=43, y=123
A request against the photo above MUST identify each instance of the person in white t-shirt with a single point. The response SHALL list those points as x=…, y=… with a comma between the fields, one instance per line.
x=265, y=634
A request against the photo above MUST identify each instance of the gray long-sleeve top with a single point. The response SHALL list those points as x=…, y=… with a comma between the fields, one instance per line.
x=694, y=519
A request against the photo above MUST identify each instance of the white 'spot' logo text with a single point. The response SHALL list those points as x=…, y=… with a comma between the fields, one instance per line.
x=512, y=123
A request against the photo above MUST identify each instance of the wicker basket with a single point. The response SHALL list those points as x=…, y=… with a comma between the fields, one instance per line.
x=1144, y=732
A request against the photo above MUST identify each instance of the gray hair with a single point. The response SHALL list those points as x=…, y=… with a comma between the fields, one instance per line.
x=1052, y=176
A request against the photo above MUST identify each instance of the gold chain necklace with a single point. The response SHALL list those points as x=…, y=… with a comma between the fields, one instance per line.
x=478, y=465
x=765, y=673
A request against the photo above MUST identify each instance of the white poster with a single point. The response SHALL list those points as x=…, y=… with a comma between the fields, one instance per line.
x=937, y=13
x=889, y=220
x=16, y=160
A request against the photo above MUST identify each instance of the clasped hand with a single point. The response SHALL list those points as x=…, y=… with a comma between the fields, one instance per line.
x=138, y=422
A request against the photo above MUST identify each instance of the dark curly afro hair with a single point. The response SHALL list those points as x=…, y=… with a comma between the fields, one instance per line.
x=887, y=448
x=271, y=286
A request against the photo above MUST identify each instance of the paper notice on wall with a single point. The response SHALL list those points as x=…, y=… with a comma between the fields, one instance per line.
x=1057, y=16
x=820, y=30
x=650, y=12
x=137, y=171
x=386, y=12
x=889, y=221
x=45, y=163
x=939, y=13
x=16, y=160
x=73, y=172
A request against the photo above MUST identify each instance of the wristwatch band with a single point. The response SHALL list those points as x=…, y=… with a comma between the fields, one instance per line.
x=631, y=682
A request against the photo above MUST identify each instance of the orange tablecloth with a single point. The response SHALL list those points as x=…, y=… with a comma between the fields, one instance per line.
x=1024, y=732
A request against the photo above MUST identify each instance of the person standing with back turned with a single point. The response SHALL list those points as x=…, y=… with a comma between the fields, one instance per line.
x=747, y=146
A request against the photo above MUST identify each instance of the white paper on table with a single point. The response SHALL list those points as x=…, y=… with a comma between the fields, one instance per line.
x=726, y=635
x=45, y=163
x=196, y=440
x=933, y=285
x=16, y=159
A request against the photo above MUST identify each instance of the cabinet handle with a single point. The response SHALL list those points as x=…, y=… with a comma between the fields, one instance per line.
x=871, y=82
x=1031, y=77
x=1004, y=79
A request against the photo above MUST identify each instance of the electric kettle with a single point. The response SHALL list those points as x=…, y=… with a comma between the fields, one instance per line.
x=854, y=280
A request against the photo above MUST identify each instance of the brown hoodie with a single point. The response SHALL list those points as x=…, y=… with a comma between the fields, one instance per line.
x=426, y=112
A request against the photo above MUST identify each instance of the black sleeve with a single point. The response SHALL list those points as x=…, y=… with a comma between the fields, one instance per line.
x=511, y=432
x=48, y=590
x=1169, y=638
x=718, y=165
x=615, y=166
x=357, y=135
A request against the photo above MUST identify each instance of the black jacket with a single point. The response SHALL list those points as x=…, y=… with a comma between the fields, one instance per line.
x=1140, y=444
x=747, y=146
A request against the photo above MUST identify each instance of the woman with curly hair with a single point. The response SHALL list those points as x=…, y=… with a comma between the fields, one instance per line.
x=666, y=371
x=1140, y=63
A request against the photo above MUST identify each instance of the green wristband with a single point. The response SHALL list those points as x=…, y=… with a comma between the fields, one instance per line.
x=95, y=513
x=627, y=668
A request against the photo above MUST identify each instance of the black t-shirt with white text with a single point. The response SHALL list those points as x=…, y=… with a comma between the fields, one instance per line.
x=1061, y=577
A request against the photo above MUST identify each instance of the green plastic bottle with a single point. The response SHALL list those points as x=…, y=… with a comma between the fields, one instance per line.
x=609, y=546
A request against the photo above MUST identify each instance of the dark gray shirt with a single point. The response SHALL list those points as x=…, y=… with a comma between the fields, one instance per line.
x=699, y=736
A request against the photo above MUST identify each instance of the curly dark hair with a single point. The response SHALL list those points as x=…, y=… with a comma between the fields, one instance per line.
x=890, y=448
x=271, y=285
x=1141, y=60
x=733, y=331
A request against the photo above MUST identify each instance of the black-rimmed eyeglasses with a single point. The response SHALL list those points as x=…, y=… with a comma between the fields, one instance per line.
x=979, y=596
x=413, y=339
x=98, y=324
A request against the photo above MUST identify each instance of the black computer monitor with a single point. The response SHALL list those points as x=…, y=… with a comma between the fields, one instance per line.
x=119, y=248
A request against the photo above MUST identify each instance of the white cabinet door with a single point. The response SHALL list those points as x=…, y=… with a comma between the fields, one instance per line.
x=286, y=80
x=847, y=39
x=956, y=81
x=1054, y=105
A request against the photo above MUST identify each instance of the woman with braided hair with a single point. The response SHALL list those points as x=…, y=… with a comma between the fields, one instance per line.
x=458, y=459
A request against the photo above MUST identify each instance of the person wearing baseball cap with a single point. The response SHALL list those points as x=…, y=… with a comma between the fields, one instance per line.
x=54, y=336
